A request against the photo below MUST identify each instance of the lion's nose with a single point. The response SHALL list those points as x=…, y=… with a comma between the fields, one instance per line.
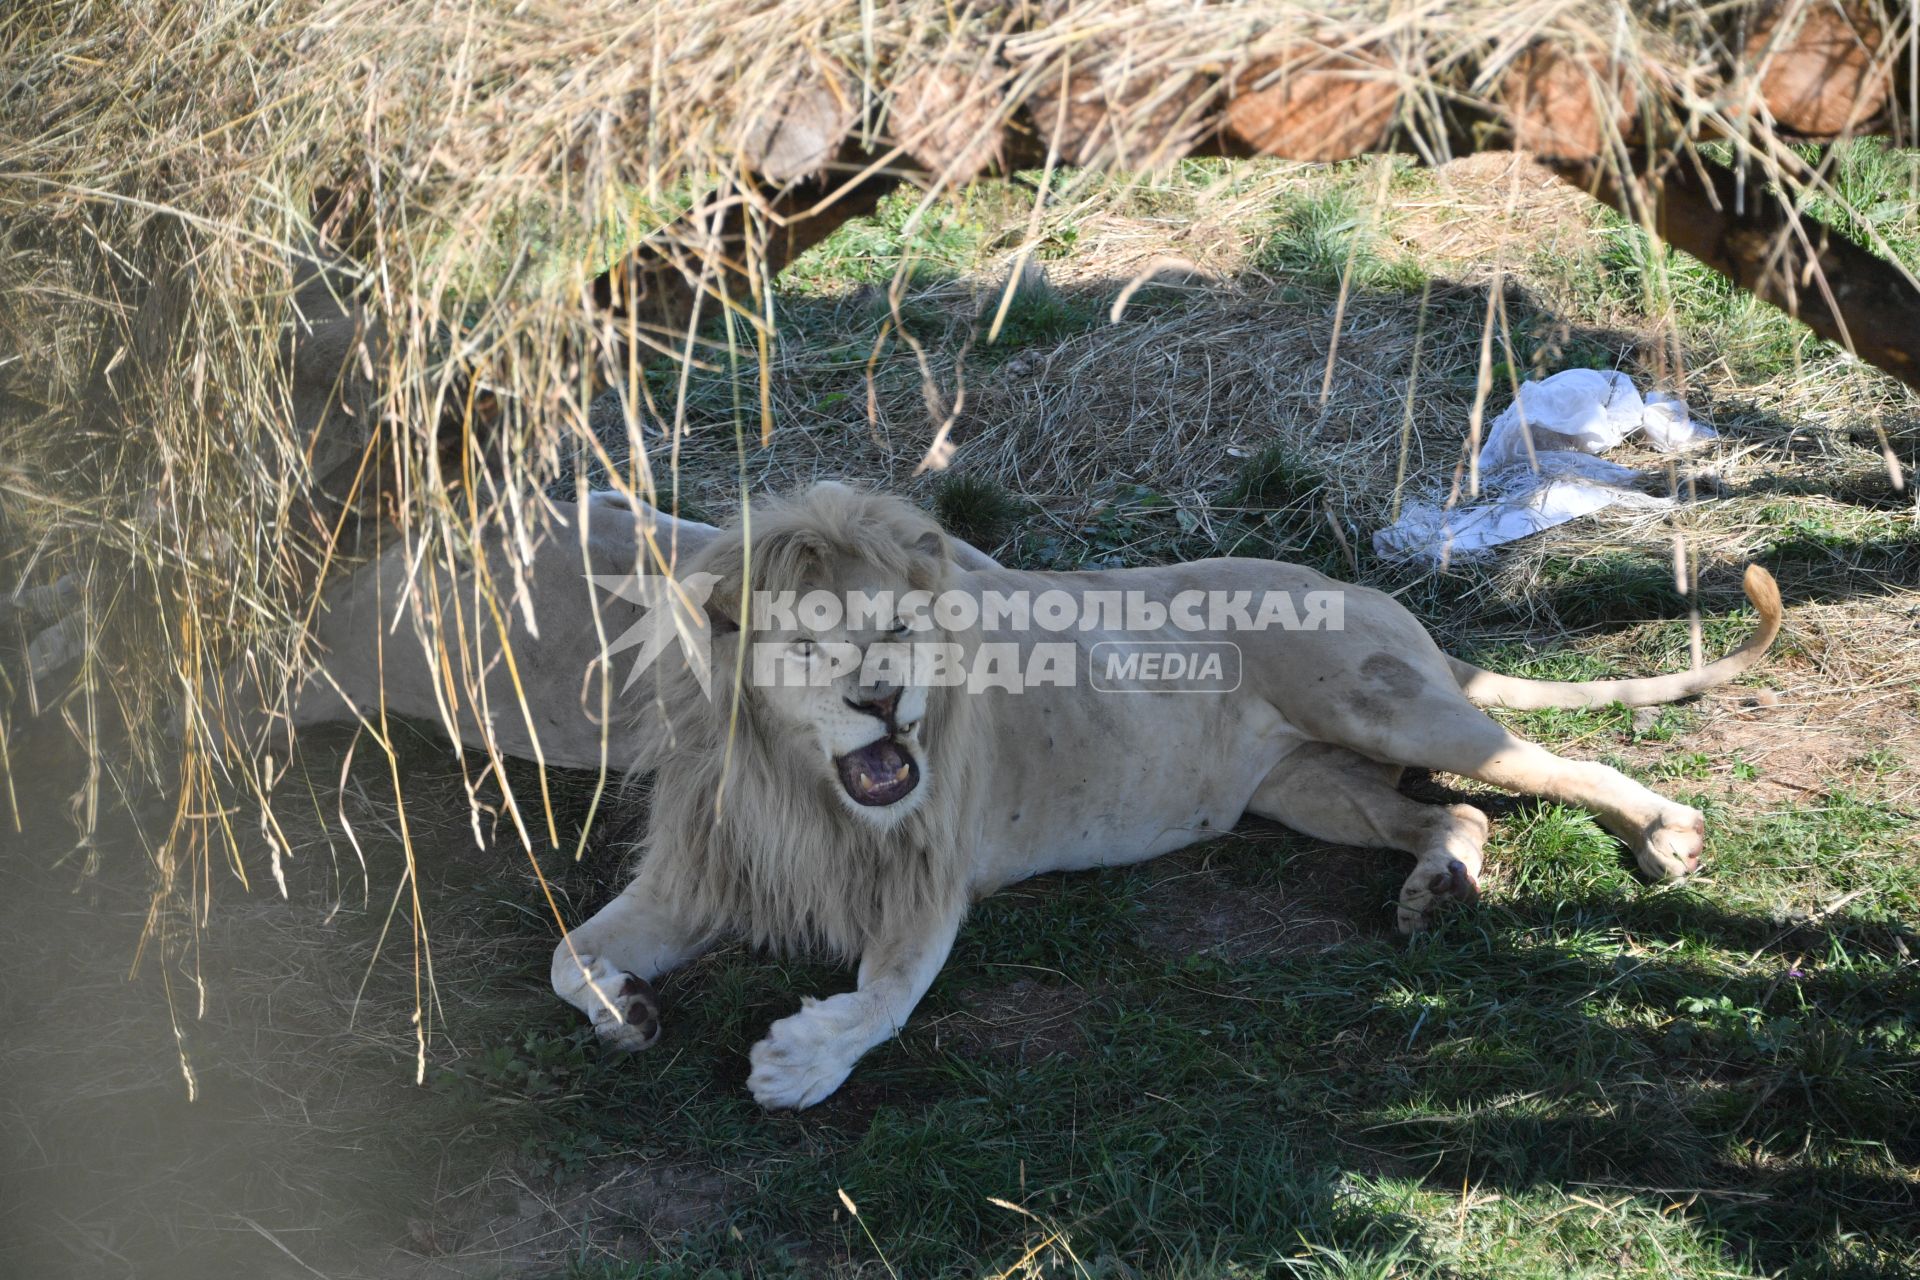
x=880, y=704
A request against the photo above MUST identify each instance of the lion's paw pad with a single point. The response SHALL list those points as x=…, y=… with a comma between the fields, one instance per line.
x=1433, y=886
x=624, y=1009
x=632, y=1023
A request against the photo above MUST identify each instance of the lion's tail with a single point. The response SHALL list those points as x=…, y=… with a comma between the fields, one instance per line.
x=1487, y=689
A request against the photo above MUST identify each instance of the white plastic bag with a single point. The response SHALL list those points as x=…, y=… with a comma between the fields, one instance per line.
x=1539, y=467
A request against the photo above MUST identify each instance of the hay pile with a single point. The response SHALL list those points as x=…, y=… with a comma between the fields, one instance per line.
x=173, y=172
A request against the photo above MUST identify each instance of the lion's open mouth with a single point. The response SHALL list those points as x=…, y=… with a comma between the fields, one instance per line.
x=880, y=773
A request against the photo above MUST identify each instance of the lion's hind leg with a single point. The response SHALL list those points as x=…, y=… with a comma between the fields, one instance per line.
x=1335, y=795
x=1437, y=728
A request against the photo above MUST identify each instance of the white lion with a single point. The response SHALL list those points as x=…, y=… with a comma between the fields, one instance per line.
x=858, y=815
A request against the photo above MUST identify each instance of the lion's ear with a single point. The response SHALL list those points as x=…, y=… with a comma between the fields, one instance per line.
x=932, y=560
x=720, y=611
x=932, y=544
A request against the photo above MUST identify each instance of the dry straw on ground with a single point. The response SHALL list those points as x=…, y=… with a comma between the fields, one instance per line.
x=171, y=170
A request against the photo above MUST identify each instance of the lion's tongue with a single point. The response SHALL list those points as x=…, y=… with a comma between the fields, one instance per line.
x=879, y=773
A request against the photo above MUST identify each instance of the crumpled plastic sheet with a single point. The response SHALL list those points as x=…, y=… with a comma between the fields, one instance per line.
x=1539, y=466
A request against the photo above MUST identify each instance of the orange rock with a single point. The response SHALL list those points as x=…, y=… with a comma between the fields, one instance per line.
x=1819, y=67
x=1134, y=121
x=1565, y=106
x=950, y=122
x=795, y=131
x=1315, y=104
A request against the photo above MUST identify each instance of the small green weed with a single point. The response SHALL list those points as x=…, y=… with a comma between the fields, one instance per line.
x=1322, y=232
x=1038, y=315
x=1276, y=476
x=976, y=509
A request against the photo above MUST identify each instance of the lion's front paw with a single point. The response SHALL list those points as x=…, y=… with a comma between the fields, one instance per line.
x=624, y=1009
x=1672, y=849
x=805, y=1057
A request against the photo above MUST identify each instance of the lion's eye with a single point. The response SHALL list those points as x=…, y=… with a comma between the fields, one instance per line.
x=802, y=648
x=900, y=627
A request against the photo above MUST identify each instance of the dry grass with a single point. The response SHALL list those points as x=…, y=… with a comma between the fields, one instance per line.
x=1193, y=426
x=163, y=159
x=165, y=164
x=1245, y=402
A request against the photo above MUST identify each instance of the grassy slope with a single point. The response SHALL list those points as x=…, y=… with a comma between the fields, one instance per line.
x=1223, y=1063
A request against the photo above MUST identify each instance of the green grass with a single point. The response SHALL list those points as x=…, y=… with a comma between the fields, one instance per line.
x=1671, y=288
x=976, y=509
x=1611, y=587
x=1039, y=317
x=940, y=244
x=1276, y=476
x=1873, y=197
x=1619, y=1080
x=1587, y=1076
x=1324, y=233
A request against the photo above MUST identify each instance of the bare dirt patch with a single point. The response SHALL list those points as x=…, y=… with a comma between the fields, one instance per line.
x=518, y=1225
x=1842, y=711
x=1801, y=749
x=1197, y=908
x=1026, y=1021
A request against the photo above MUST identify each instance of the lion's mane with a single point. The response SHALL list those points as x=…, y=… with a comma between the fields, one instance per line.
x=747, y=835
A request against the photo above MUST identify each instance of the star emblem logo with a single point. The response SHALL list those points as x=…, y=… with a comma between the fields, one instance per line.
x=675, y=608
